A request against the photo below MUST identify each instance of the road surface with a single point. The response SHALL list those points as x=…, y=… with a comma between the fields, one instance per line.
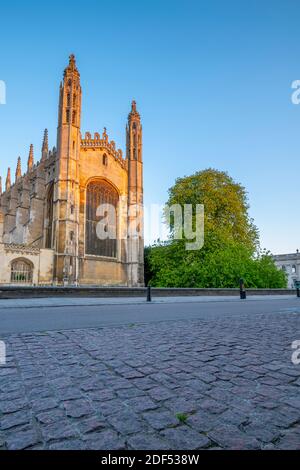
x=33, y=315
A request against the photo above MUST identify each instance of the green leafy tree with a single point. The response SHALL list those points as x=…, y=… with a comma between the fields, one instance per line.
x=231, y=248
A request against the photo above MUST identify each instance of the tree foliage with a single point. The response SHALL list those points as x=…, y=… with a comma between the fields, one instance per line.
x=231, y=248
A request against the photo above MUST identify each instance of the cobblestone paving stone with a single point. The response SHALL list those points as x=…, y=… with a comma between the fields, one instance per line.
x=231, y=380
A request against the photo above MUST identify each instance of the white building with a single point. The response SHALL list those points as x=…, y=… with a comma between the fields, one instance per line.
x=291, y=265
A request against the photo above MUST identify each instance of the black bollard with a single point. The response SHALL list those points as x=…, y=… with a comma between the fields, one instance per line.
x=149, y=294
x=298, y=292
x=243, y=294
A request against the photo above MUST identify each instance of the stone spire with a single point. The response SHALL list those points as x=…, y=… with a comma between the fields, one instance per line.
x=8, y=181
x=45, y=148
x=72, y=68
x=105, y=135
x=134, y=112
x=72, y=62
x=134, y=134
x=133, y=106
x=19, y=169
x=30, y=158
x=135, y=245
x=69, y=99
x=67, y=182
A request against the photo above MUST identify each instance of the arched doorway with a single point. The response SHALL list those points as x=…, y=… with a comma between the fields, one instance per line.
x=21, y=271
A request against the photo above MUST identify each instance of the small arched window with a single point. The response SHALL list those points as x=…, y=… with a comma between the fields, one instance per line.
x=21, y=272
x=105, y=159
x=294, y=269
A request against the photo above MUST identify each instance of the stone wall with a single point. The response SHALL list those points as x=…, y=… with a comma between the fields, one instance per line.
x=40, y=260
x=119, y=292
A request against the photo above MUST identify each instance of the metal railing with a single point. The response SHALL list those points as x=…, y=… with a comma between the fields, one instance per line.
x=21, y=275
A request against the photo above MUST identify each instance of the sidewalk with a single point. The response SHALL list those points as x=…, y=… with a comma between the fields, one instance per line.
x=88, y=301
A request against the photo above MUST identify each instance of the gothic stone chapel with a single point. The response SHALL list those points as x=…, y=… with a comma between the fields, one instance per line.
x=49, y=216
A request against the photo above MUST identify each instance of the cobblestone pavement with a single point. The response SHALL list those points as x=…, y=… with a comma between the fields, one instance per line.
x=197, y=384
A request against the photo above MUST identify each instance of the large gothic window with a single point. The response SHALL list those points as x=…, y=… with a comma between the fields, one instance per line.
x=21, y=272
x=101, y=208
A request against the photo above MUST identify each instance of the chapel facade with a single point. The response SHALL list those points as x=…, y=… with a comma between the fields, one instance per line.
x=53, y=218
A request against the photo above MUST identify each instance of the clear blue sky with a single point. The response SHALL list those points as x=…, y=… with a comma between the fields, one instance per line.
x=212, y=80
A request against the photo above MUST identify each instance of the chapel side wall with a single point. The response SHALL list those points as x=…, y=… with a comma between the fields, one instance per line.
x=46, y=267
x=10, y=213
x=102, y=273
x=35, y=226
x=4, y=267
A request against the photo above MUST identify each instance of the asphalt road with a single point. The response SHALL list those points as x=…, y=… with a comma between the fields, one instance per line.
x=41, y=316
